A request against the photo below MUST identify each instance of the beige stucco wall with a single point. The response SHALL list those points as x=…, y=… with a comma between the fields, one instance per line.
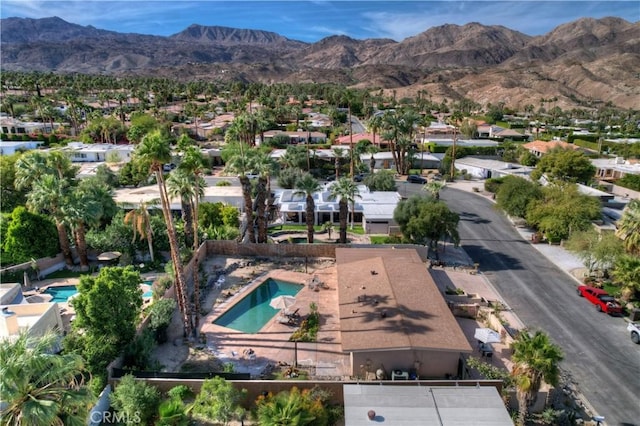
x=430, y=364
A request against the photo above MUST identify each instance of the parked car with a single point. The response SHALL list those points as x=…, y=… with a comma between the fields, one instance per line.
x=604, y=301
x=416, y=179
x=168, y=167
x=634, y=330
x=359, y=177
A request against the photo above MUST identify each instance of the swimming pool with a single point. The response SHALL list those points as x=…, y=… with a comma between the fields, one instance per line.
x=251, y=313
x=61, y=294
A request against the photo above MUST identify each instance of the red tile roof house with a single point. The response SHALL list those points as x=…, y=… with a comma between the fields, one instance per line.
x=393, y=317
x=357, y=137
x=539, y=148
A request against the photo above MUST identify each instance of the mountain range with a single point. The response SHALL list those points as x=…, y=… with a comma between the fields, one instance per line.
x=584, y=62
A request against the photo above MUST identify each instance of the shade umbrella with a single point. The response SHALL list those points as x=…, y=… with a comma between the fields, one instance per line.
x=109, y=255
x=282, y=302
x=487, y=335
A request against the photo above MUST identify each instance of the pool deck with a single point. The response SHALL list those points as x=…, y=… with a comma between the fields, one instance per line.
x=271, y=344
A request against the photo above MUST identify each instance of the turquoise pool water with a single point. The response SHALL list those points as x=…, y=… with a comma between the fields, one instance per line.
x=251, y=313
x=148, y=293
x=61, y=294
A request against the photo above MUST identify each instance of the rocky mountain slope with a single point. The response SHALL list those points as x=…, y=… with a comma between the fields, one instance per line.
x=588, y=60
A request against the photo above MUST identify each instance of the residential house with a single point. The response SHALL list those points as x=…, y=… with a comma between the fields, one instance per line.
x=373, y=209
x=491, y=131
x=394, y=318
x=423, y=405
x=18, y=315
x=484, y=168
x=357, y=137
x=299, y=137
x=540, y=148
x=97, y=152
x=612, y=169
x=14, y=126
x=10, y=147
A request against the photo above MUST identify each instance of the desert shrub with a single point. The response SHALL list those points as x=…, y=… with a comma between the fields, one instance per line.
x=161, y=314
x=137, y=354
x=493, y=184
x=136, y=400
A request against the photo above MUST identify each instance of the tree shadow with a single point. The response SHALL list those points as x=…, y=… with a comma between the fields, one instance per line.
x=472, y=217
x=490, y=260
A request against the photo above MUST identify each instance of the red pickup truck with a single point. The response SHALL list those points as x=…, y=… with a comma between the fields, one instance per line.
x=603, y=301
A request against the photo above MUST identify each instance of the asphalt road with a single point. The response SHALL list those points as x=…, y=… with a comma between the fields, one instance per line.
x=599, y=355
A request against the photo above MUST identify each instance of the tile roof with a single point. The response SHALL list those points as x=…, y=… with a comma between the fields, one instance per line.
x=544, y=146
x=417, y=317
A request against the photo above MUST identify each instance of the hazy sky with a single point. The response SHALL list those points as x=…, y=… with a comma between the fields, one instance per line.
x=311, y=21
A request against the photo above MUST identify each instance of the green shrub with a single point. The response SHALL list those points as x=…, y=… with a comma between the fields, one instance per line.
x=136, y=400
x=137, y=354
x=180, y=392
x=223, y=183
x=493, y=184
x=161, y=315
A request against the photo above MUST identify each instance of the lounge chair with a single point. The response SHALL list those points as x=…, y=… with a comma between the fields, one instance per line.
x=293, y=314
x=286, y=320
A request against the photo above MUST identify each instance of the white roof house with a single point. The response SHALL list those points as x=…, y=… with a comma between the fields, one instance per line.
x=11, y=147
x=18, y=316
x=97, y=152
x=132, y=197
x=374, y=209
x=424, y=405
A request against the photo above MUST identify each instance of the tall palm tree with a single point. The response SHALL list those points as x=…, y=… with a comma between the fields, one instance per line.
x=264, y=165
x=238, y=160
x=83, y=208
x=307, y=185
x=338, y=153
x=536, y=359
x=193, y=164
x=346, y=192
x=38, y=387
x=628, y=227
x=50, y=195
x=156, y=150
x=189, y=187
x=140, y=220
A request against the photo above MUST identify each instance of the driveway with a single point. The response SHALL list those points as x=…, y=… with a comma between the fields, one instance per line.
x=599, y=355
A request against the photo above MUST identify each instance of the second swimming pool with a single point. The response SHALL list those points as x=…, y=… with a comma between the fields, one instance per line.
x=251, y=313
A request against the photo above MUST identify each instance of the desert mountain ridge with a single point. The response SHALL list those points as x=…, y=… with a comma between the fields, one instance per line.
x=587, y=61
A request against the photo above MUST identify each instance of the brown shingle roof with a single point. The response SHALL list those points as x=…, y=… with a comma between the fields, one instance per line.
x=417, y=316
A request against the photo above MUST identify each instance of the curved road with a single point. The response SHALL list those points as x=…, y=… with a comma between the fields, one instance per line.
x=598, y=353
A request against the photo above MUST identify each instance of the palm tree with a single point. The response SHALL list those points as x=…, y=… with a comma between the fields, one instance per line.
x=192, y=165
x=190, y=188
x=156, y=150
x=238, y=160
x=434, y=187
x=346, y=192
x=264, y=166
x=628, y=227
x=140, y=220
x=38, y=387
x=49, y=195
x=307, y=185
x=287, y=408
x=536, y=359
x=627, y=273
x=84, y=207
x=338, y=153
